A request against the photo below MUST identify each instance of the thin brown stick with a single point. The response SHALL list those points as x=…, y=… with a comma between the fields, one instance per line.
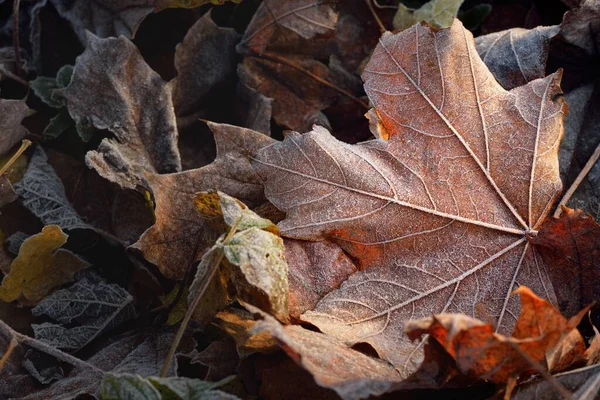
x=4, y=71
x=383, y=7
x=17, y=46
x=24, y=145
x=586, y=169
x=375, y=16
x=11, y=346
x=280, y=60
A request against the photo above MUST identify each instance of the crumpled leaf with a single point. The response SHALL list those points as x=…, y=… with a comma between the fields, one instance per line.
x=131, y=387
x=316, y=268
x=81, y=312
x=482, y=353
x=306, y=18
x=130, y=100
x=205, y=58
x=43, y=193
x=40, y=267
x=104, y=18
x=571, y=245
x=353, y=375
x=180, y=232
x=583, y=383
x=438, y=215
x=239, y=325
x=516, y=56
x=437, y=13
x=12, y=112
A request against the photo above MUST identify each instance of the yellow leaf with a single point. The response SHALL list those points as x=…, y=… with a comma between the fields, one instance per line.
x=40, y=267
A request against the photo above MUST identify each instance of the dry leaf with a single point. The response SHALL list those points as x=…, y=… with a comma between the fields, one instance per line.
x=12, y=113
x=516, y=56
x=40, y=267
x=239, y=325
x=571, y=245
x=437, y=13
x=583, y=383
x=172, y=241
x=482, y=353
x=581, y=26
x=306, y=18
x=130, y=100
x=439, y=215
x=205, y=58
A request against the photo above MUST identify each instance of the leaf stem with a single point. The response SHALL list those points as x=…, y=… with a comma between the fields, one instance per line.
x=375, y=16
x=588, y=166
x=24, y=145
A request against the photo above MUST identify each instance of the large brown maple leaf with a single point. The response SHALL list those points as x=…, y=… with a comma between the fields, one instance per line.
x=441, y=207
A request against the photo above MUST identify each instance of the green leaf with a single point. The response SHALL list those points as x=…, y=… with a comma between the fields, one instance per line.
x=261, y=276
x=59, y=124
x=127, y=387
x=179, y=309
x=43, y=87
x=64, y=75
x=437, y=13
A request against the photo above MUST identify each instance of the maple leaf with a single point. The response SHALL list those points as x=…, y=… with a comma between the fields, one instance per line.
x=439, y=215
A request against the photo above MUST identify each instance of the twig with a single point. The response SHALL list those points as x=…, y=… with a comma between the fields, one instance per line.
x=280, y=60
x=24, y=145
x=14, y=77
x=11, y=346
x=382, y=7
x=588, y=166
x=44, y=348
x=379, y=23
x=17, y=46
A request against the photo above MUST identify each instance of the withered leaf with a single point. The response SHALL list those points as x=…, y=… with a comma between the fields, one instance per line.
x=173, y=239
x=239, y=325
x=581, y=26
x=571, y=245
x=12, y=112
x=516, y=56
x=482, y=353
x=40, y=267
x=439, y=215
x=306, y=18
x=583, y=383
x=437, y=13
x=205, y=58
x=130, y=100
x=352, y=374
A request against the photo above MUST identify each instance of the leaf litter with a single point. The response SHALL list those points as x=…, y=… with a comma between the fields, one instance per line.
x=344, y=257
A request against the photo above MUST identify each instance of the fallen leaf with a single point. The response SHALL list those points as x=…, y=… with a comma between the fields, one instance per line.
x=178, y=311
x=439, y=215
x=104, y=18
x=317, y=268
x=306, y=18
x=482, y=353
x=239, y=325
x=180, y=232
x=12, y=112
x=516, y=56
x=353, y=375
x=583, y=383
x=133, y=102
x=220, y=358
x=581, y=26
x=81, y=312
x=571, y=245
x=205, y=58
x=7, y=193
x=254, y=109
x=437, y=13
x=43, y=193
x=40, y=267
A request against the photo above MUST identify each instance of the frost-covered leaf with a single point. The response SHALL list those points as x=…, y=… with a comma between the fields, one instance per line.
x=437, y=13
x=306, y=18
x=82, y=312
x=172, y=241
x=12, y=132
x=438, y=209
x=516, y=56
x=43, y=193
x=40, y=267
x=581, y=26
x=45, y=87
x=205, y=58
x=130, y=100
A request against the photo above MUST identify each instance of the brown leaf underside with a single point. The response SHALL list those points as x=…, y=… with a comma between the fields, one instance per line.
x=438, y=215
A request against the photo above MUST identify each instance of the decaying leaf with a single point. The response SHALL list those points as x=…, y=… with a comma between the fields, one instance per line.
x=205, y=58
x=353, y=375
x=130, y=386
x=12, y=112
x=482, y=353
x=516, y=56
x=437, y=13
x=130, y=100
x=306, y=18
x=104, y=18
x=40, y=267
x=571, y=245
x=82, y=312
x=439, y=215
x=581, y=26
x=239, y=325
x=179, y=231
x=43, y=193
x=583, y=383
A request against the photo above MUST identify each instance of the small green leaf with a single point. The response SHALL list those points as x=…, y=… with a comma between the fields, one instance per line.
x=64, y=75
x=59, y=124
x=179, y=309
x=43, y=87
x=437, y=13
x=127, y=387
